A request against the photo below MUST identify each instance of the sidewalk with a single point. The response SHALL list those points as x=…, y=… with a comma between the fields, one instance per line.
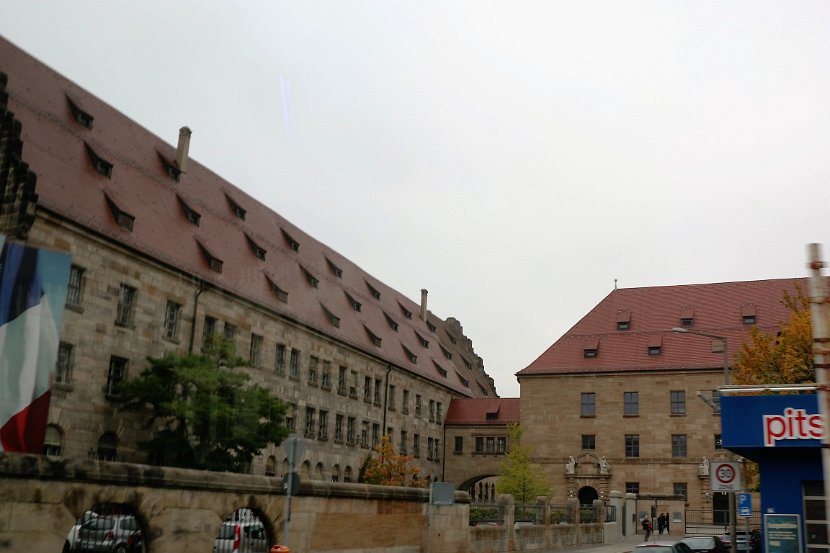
x=623, y=546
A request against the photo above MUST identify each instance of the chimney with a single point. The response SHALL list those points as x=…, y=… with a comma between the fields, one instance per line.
x=182, y=149
x=424, y=303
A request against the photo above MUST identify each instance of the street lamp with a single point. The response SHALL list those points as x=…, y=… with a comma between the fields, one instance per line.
x=726, y=380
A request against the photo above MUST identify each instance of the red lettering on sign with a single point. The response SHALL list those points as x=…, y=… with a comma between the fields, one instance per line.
x=794, y=424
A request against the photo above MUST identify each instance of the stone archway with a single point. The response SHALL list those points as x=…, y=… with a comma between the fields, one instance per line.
x=588, y=471
x=587, y=495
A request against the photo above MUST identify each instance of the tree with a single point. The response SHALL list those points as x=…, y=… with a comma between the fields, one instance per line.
x=201, y=413
x=387, y=468
x=786, y=358
x=518, y=477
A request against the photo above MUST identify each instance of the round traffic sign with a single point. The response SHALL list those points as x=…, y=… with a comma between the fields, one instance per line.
x=725, y=474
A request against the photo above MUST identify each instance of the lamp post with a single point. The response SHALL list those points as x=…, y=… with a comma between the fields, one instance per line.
x=726, y=380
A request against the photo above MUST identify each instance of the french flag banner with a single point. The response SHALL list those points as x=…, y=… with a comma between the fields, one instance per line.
x=32, y=295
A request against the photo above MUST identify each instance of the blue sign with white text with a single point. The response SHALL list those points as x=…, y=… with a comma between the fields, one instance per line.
x=744, y=504
x=771, y=421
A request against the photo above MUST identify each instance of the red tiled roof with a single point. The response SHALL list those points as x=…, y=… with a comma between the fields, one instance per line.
x=716, y=309
x=463, y=412
x=68, y=185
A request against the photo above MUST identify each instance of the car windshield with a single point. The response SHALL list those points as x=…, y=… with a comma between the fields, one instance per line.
x=654, y=549
x=699, y=543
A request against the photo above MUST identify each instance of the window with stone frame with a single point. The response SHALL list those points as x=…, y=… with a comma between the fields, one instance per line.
x=589, y=442
x=53, y=441
x=678, y=446
x=378, y=388
x=405, y=402
x=391, y=399
x=279, y=359
x=588, y=404
x=229, y=332
x=63, y=365
x=291, y=417
x=439, y=413
x=631, y=402
x=678, y=402
x=367, y=389
x=126, y=305
x=375, y=434
x=364, y=435
x=351, y=431
x=107, y=447
x=403, y=446
x=632, y=487
x=75, y=288
x=632, y=445
x=342, y=387
x=256, y=350
x=338, y=428
x=323, y=425
x=325, y=376
x=313, y=362
x=432, y=410
x=310, y=424
x=172, y=313
x=417, y=405
x=501, y=445
x=116, y=372
x=479, y=444
x=208, y=331
x=682, y=488
x=437, y=455
x=416, y=446
x=294, y=365
x=430, y=447
x=459, y=444
x=271, y=466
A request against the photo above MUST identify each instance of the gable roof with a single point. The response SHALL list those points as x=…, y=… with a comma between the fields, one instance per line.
x=651, y=313
x=482, y=411
x=234, y=243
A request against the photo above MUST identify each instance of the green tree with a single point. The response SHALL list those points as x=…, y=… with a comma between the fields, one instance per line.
x=785, y=358
x=386, y=467
x=201, y=412
x=519, y=477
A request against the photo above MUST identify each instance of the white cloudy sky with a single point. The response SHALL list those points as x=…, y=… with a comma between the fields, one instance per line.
x=514, y=158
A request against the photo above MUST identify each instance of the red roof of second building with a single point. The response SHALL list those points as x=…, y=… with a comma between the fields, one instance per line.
x=475, y=411
x=648, y=343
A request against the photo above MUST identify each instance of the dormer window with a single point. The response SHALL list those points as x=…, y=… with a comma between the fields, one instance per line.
x=169, y=168
x=441, y=370
x=213, y=262
x=463, y=380
x=281, y=294
x=98, y=163
x=452, y=339
x=372, y=336
x=338, y=272
x=312, y=280
x=122, y=218
x=192, y=216
x=748, y=313
x=333, y=319
x=423, y=341
x=687, y=317
x=446, y=353
x=431, y=327
x=406, y=312
x=591, y=348
x=624, y=319
x=467, y=363
x=80, y=116
x=258, y=250
x=293, y=244
x=655, y=344
x=392, y=324
x=409, y=355
x=373, y=291
x=237, y=209
x=353, y=302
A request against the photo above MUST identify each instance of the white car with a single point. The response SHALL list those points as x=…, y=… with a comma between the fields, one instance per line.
x=250, y=535
x=71, y=543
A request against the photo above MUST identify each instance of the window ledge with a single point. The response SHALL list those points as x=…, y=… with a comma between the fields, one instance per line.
x=75, y=308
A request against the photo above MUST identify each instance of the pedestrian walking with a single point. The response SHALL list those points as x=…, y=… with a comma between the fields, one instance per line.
x=647, y=528
x=660, y=523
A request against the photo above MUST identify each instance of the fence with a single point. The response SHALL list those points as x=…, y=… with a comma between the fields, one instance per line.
x=715, y=522
x=486, y=514
x=492, y=514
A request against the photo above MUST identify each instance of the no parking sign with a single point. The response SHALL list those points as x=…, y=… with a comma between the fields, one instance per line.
x=726, y=476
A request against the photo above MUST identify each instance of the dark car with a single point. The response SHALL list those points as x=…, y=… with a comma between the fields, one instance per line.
x=705, y=544
x=745, y=542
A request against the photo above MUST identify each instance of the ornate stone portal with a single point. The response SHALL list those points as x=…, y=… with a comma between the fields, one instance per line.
x=588, y=471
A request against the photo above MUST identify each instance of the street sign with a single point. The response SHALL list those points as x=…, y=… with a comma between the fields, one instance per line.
x=291, y=483
x=294, y=447
x=744, y=504
x=726, y=476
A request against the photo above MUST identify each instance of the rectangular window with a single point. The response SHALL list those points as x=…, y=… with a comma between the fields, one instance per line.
x=682, y=488
x=310, y=426
x=325, y=376
x=351, y=429
x=63, y=366
x=367, y=389
x=391, y=399
x=631, y=400
x=279, y=360
x=501, y=445
x=589, y=441
x=291, y=417
x=479, y=444
x=171, y=320
x=632, y=445
x=416, y=446
x=342, y=389
x=589, y=404
x=115, y=375
x=491, y=445
x=294, y=365
x=338, y=429
x=417, y=405
x=430, y=448
x=439, y=413
x=678, y=402
x=208, y=330
x=375, y=434
x=437, y=456
x=632, y=487
x=126, y=303
x=718, y=441
x=403, y=442
x=256, y=350
x=678, y=445
x=432, y=410
x=378, y=388
x=459, y=444
x=323, y=425
x=405, y=407
x=364, y=435
x=312, y=370
x=75, y=289
x=353, y=385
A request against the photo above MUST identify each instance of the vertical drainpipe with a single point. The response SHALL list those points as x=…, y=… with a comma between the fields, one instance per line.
x=195, y=309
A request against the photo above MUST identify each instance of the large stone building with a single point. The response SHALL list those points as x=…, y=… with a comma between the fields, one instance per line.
x=165, y=253
x=623, y=402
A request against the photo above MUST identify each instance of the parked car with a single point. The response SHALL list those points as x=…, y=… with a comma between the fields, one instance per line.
x=109, y=534
x=662, y=547
x=744, y=542
x=705, y=544
x=71, y=543
x=251, y=536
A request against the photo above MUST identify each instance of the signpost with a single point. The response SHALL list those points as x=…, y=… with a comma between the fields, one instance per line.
x=294, y=447
x=744, y=504
x=726, y=476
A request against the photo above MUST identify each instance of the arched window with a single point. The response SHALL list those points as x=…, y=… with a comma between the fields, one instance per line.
x=307, y=470
x=284, y=465
x=271, y=466
x=319, y=471
x=347, y=475
x=53, y=442
x=107, y=446
x=335, y=473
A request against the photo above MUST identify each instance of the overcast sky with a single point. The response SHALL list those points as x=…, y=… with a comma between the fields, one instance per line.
x=514, y=158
